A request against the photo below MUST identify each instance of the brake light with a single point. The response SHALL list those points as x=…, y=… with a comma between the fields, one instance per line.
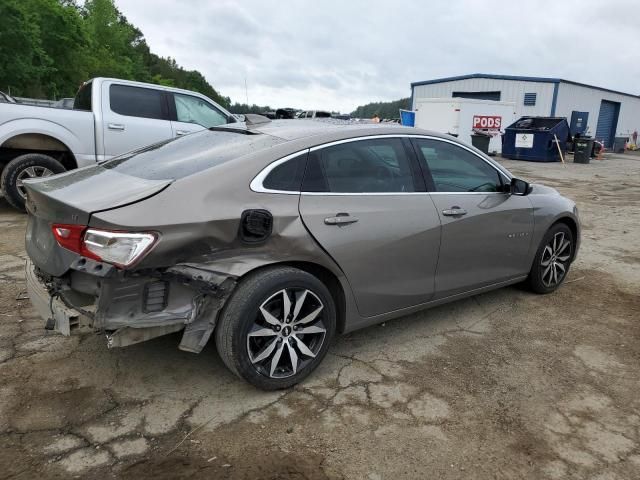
x=121, y=249
x=70, y=237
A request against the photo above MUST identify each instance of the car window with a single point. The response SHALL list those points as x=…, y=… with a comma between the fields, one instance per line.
x=455, y=169
x=82, y=100
x=365, y=166
x=192, y=109
x=136, y=101
x=287, y=176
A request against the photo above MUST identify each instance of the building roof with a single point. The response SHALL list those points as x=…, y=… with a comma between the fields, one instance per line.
x=518, y=78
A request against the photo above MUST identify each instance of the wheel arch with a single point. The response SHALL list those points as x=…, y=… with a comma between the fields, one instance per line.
x=573, y=226
x=33, y=142
x=326, y=276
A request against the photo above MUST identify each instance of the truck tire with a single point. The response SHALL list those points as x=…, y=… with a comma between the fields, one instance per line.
x=29, y=165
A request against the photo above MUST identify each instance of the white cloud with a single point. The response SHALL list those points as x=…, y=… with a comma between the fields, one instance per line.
x=337, y=54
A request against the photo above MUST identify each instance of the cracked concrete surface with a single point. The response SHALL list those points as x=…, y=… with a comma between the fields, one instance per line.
x=502, y=385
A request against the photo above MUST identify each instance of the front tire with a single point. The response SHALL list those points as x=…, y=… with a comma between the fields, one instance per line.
x=276, y=327
x=553, y=259
x=30, y=165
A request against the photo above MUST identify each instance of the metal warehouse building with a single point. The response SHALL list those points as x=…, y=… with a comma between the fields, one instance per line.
x=598, y=112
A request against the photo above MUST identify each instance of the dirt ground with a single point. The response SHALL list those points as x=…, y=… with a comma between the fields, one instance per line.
x=504, y=385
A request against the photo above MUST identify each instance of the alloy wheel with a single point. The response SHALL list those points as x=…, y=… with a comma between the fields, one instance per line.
x=287, y=333
x=555, y=260
x=30, y=172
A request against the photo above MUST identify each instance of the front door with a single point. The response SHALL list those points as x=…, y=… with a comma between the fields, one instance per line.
x=192, y=114
x=365, y=204
x=486, y=232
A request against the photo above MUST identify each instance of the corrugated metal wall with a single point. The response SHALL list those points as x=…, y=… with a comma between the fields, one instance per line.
x=576, y=97
x=512, y=91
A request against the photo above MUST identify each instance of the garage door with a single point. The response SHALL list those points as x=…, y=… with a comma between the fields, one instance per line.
x=607, y=122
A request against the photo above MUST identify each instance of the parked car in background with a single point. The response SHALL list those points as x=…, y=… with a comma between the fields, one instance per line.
x=314, y=114
x=109, y=117
x=285, y=113
x=272, y=237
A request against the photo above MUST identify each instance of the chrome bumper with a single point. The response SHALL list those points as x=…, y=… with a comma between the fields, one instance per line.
x=52, y=310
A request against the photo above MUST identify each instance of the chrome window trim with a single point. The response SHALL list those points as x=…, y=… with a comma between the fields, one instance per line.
x=257, y=186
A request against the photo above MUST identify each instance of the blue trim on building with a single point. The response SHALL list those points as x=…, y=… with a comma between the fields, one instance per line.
x=554, y=100
x=518, y=78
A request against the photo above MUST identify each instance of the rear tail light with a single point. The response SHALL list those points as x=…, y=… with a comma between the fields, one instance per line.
x=121, y=249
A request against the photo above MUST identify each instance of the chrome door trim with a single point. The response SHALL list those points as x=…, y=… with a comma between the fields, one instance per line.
x=257, y=186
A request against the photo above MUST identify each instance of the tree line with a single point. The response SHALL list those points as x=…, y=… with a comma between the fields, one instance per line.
x=382, y=109
x=49, y=47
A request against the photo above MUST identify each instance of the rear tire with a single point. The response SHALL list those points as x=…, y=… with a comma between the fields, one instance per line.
x=552, y=260
x=29, y=165
x=261, y=344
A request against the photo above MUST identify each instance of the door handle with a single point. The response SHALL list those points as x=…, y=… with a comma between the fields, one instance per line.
x=340, y=219
x=115, y=126
x=181, y=132
x=454, y=212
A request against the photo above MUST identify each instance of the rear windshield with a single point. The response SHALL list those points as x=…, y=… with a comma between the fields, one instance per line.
x=83, y=97
x=174, y=159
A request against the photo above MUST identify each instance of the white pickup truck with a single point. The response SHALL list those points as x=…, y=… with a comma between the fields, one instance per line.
x=109, y=117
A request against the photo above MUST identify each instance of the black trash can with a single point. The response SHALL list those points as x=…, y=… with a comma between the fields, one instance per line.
x=582, y=150
x=619, y=144
x=481, y=142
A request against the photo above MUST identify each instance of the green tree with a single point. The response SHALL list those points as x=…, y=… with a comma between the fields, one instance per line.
x=382, y=109
x=49, y=47
x=23, y=61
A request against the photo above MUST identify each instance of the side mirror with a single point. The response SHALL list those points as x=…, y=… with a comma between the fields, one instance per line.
x=519, y=187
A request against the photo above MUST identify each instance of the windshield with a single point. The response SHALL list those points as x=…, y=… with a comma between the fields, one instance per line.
x=174, y=159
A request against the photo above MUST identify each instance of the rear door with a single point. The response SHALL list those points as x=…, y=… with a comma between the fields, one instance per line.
x=486, y=232
x=190, y=113
x=133, y=117
x=365, y=203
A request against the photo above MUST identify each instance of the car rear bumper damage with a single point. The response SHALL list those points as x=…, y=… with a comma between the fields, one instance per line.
x=131, y=307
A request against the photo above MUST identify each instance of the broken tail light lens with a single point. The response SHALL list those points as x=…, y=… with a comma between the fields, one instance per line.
x=119, y=248
x=122, y=249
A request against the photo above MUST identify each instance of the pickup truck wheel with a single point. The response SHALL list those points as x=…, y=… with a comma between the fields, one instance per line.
x=30, y=165
x=276, y=327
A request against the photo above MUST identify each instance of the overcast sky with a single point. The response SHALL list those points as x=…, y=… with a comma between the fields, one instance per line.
x=337, y=55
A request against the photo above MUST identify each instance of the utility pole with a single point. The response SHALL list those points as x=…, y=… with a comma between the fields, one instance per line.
x=246, y=91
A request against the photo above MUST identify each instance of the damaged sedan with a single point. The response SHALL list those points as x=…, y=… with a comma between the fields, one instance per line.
x=269, y=238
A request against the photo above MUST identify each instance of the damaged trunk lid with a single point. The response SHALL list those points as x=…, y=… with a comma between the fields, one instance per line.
x=71, y=198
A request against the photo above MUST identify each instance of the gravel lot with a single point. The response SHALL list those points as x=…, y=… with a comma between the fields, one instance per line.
x=503, y=385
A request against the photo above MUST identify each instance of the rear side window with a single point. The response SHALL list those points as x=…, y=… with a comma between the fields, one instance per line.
x=137, y=102
x=364, y=166
x=287, y=176
x=83, y=97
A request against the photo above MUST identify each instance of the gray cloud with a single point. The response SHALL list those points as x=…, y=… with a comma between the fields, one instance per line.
x=339, y=54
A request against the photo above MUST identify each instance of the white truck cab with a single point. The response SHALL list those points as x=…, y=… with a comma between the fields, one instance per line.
x=109, y=117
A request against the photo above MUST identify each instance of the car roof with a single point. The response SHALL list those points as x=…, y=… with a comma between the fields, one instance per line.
x=328, y=129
